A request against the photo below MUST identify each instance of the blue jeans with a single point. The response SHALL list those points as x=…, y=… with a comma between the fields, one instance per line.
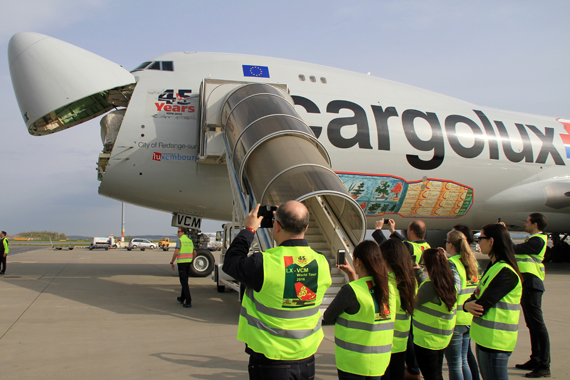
x=351, y=376
x=456, y=354
x=263, y=369
x=493, y=365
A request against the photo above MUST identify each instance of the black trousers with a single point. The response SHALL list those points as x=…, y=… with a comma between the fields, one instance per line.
x=3, y=262
x=183, y=270
x=531, y=303
x=266, y=369
x=397, y=367
x=430, y=362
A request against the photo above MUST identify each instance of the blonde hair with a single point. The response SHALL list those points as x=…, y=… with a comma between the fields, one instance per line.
x=458, y=240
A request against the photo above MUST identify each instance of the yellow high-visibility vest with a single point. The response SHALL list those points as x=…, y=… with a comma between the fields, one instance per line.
x=498, y=327
x=283, y=320
x=363, y=341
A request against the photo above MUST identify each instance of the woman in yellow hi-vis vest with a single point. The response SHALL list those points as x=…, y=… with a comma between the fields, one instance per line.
x=401, y=275
x=363, y=312
x=434, y=315
x=495, y=305
x=466, y=272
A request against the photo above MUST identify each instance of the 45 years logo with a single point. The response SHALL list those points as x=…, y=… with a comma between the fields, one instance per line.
x=182, y=97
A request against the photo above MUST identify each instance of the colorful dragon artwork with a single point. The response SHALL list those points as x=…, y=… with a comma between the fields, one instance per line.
x=379, y=195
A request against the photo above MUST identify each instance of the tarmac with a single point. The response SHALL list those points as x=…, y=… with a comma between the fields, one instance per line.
x=113, y=314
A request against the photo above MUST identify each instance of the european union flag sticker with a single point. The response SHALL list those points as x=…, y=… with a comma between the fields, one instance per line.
x=255, y=71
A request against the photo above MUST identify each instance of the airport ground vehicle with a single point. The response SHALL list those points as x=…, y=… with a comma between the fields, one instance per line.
x=164, y=243
x=142, y=244
x=102, y=243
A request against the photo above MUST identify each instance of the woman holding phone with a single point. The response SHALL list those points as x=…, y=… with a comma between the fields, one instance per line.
x=363, y=312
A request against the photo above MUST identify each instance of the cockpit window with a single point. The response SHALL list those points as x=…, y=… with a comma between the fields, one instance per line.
x=154, y=66
x=142, y=66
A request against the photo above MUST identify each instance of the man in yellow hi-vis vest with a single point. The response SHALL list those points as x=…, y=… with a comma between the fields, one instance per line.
x=184, y=253
x=4, y=249
x=280, y=318
x=529, y=257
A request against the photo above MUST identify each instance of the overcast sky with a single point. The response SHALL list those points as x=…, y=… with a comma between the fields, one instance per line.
x=506, y=54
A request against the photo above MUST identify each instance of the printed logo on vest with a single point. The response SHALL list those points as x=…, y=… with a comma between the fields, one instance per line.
x=301, y=281
x=377, y=315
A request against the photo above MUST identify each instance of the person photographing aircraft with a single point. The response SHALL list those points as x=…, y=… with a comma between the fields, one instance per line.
x=280, y=320
x=364, y=312
x=415, y=241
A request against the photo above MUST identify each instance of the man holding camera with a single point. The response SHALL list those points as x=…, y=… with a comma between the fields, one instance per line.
x=280, y=320
x=416, y=235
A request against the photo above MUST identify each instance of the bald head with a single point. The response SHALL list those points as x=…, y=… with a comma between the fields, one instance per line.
x=293, y=217
x=418, y=228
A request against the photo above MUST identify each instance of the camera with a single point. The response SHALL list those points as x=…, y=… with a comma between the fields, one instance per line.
x=267, y=212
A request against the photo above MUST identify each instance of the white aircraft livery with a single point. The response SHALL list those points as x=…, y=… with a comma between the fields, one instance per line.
x=226, y=131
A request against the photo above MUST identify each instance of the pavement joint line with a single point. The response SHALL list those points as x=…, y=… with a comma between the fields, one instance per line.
x=34, y=300
x=149, y=263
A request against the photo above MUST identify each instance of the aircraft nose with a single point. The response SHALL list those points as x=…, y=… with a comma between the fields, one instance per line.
x=59, y=85
x=20, y=42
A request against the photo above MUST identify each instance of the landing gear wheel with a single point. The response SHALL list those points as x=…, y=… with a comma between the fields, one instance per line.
x=203, y=263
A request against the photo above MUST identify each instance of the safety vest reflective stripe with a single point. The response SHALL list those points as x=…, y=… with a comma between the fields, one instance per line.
x=530, y=259
x=432, y=330
x=364, y=326
x=185, y=256
x=361, y=348
x=402, y=317
x=496, y=325
x=436, y=313
x=497, y=328
x=507, y=306
x=277, y=313
x=401, y=334
x=291, y=334
x=467, y=291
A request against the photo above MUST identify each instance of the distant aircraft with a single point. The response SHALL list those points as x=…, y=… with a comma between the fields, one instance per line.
x=208, y=135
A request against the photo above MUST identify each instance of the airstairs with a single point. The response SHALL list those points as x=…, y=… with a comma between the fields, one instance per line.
x=272, y=156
